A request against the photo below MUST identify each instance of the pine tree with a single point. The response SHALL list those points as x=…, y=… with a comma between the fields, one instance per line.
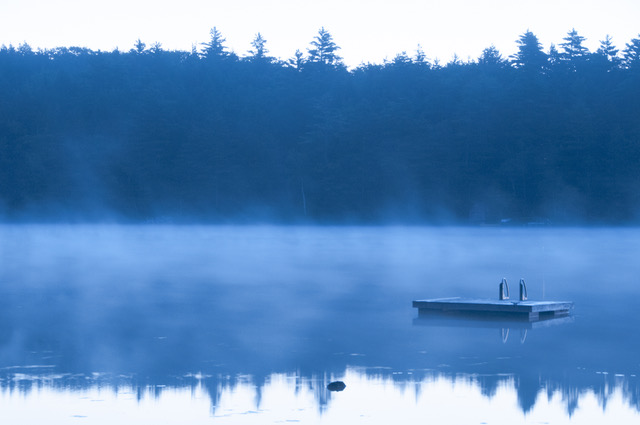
x=24, y=49
x=491, y=57
x=572, y=46
x=608, y=54
x=156, y=48
x=608, y=49
x=215, y=48
x=323, y=49
x=631, y=54
x=138, y=47
x=402, y=59
x=420, y=58
x=455, y=61
x=297, y=61
x=259, y=51
x=555, y=57
x=530, y=56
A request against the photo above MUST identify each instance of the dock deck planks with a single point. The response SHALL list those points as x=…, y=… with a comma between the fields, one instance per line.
x=527, y=310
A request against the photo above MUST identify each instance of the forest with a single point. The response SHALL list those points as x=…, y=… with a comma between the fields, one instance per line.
x=546, y=136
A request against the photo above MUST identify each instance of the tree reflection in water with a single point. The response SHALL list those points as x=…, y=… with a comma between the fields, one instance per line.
x=371, y=397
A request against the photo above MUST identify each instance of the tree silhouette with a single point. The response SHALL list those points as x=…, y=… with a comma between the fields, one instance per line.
x=259, y=51
x=25, y=49
x=215, y=48
x=573, y=52
x=455, y=61
x=572, y=46
x=420, y=57
x=156, y=48
x=323, y=49
x=530, y=56
x=554, y=58
x=297, y=61
x=491, y=57
x=138, y=47
x=631, y=54
x=181, y=134
x=402, y=59
x=608, y=50
x=607, y=53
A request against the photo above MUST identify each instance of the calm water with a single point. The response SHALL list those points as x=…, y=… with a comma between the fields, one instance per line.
x=199, y=325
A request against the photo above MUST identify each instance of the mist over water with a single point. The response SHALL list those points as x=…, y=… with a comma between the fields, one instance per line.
x=262, y=318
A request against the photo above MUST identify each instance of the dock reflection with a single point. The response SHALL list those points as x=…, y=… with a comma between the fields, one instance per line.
x=488, y=322
x=505, y=327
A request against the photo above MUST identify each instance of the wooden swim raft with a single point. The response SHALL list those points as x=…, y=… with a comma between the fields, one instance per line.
x=519, y=310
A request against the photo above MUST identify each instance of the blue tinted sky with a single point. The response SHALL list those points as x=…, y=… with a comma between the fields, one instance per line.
x=366, y=30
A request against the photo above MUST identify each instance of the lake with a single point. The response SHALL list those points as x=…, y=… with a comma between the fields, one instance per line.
x=249, y=324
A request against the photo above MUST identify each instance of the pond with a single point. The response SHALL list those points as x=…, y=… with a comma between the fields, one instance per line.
x=249, y=324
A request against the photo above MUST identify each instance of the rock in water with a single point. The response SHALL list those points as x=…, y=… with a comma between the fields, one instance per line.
x=336, y=386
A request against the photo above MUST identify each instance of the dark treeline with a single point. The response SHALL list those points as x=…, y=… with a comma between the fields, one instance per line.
x=210, y=135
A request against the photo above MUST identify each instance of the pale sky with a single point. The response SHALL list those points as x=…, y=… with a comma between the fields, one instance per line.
x=366, y=30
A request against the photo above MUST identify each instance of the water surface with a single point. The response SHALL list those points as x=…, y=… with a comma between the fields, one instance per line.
x=216, y=324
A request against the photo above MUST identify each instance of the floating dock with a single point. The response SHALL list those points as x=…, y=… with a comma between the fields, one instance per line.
x=530, y=311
